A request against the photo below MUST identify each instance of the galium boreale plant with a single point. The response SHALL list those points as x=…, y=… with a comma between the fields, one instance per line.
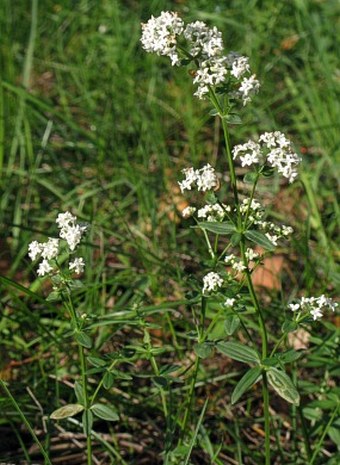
x=58, y=260
x=228, y=84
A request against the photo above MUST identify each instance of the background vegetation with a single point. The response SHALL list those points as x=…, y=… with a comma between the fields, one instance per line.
x=92, y=124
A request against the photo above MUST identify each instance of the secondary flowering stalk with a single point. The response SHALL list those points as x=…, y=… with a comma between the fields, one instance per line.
x=226, y=81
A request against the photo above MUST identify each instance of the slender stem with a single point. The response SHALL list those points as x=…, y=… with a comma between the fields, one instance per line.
x=325, y=431
x=83, y=369
x=161, y=390
x=101, y=382
x=26, y=422
x=221, y=112
x=86, y=402
x=305, y=433
x=155, y=368
x=250, y=285
x=265, y=393
x=255, y=301
x=201, y=338
x=191, y=395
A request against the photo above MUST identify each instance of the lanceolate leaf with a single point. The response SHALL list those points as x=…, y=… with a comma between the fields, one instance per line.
x=231, y=323
x=283, y=385
x=105, y=412
x=66, y=411
x=260, y=239
x=224, y=228
x=238, y=351
x=245, y=383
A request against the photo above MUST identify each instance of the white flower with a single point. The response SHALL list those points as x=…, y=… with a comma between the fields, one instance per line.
x=238, y=266
x=248, y=88
x=211, y=282
x=251, y=254
x=159, y=35
x=205, y=179
x=65, y=219
x=287, y=230
x=240, y=66
x=250, y=153
x=211, y=72
x=50, y=249
x=229, y=302
x=280, y=154
x=316, y=313
x=72, y=235
x=314, y=306
x=204, y=41
x=34, y=250
x=44, y=268
x=77, y=265
x=71, y=231
x=188, y=211
x=190, y=179
x=273, y=238
x=229, y=259
x=294, y=307
x=213, y=213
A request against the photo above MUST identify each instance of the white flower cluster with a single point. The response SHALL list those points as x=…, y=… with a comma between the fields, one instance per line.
x=213, y=213
x=235, y=263
x=204, y=41
x=314, y=305
x=204, y=46
x=159, y=35
x=212, y=282
x=187, y=212
x=256, y=213
x=205, y=179
x=272, y=148
x=71, y=232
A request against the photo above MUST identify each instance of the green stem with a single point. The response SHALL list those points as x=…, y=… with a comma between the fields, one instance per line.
x=155, y=368
x=191, y=395
x=250, y=285
x=222, y=113
x=101, y=382
x=86, y=402
x=265, y=393
x=26, y=422
x=83, y=369
x=325, y=431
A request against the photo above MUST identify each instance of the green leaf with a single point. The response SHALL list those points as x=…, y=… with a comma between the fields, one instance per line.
x=289, y=326
x=235, y=239
x=66, y=411
x=289, y=356
x=233, y=118
x=97, y=362
x=239, y=352
x=245, y=383
x=54, y=296
x=283, y=385
x=224, y=228
x=78, y=389
x=260, y=239
x=160, y=381
x=105, y=412
x=83, y=339
x=213, y=112
x=250, y=177
x=87, y=419
x=108, y=380
x=203, y=350
x=231, y=323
